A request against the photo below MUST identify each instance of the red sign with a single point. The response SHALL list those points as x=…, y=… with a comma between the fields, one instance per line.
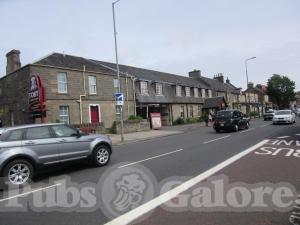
x=156, y=121
x=36, y=96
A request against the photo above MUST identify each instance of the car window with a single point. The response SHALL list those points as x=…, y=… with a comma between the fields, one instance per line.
x=64, y=131
x=15, y=135
x=38, y=133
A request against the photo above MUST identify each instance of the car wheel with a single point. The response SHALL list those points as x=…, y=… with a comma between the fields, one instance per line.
x=236, y=128
x=217, y=131
x=247, y=125
x=101, y=155
x=17, y=173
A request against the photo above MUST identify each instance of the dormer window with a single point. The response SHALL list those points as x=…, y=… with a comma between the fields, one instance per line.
x=158, y=89
x=187, y=91
x=144, y=87
x=196, y=92
x=178, y=90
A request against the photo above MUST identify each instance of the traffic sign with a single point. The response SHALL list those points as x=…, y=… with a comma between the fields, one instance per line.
x=119, y=99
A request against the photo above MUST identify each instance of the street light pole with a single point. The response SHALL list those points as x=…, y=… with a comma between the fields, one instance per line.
x=118, y=70
x=246, y=65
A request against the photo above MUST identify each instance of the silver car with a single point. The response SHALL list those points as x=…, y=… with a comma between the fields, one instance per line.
x=24, y=149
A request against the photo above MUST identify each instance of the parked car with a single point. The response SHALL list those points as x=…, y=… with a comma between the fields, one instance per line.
x=230, y=120
x=298, y=112
x=269, y=114
x=25, y=149
x=284, y=116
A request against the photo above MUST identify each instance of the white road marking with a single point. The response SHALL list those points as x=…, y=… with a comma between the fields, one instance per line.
x=247, y=130
x=298, y=134
x=206, y=142
x=154, y=157
x=29, y=192
x=283, y=137
x=152, y=204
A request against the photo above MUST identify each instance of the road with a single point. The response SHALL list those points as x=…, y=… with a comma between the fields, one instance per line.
x=185, y=156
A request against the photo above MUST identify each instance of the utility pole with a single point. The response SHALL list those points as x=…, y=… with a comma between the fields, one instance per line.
x=120, y=107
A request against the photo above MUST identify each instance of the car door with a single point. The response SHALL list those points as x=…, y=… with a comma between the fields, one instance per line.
x=42, y=144
x=71, y=145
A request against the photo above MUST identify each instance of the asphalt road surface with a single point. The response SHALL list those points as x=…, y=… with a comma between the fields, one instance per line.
x=198, y=154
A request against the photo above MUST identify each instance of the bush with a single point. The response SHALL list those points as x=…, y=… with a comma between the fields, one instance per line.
x=191, y=120
x=178, y=121
x=133, y=117
x=253, y=114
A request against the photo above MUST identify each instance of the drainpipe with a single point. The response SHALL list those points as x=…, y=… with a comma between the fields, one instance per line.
x=127, y=98
x=134, y=99
x=82, y=96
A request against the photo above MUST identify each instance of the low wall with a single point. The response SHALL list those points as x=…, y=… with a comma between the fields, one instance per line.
x=91, y=127
x=131, y=126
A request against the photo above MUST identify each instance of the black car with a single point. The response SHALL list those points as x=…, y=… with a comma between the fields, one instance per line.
x=230, y=120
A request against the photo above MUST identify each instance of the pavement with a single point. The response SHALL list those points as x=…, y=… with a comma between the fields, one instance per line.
x=140, y=136
x=192, y=156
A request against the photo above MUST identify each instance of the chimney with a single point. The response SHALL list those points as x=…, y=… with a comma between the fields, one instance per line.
x=195, y=74
x=13, y=61
x=219, y=77
x=250, y=85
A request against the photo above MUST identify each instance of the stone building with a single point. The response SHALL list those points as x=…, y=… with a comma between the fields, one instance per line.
x=77, y=91
x=80, y=90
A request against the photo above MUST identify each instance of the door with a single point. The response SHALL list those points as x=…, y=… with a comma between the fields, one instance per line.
x=41, y=142
x=71, y=146
x=94, y=114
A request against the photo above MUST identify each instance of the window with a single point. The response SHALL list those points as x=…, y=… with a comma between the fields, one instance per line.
x=191, y=111
x=199, y=110
x=158, y=89
x=187, y=91
x=182, y=111
x=203, y=93
x=64, y=131
x=92, y=85
x=196, y=93
x=38, y=133
x=15, y=135
x=62, y=83
x=116, y=85
x=178, y=90
x=64, y=114
x=209, y=93
x=144, y=87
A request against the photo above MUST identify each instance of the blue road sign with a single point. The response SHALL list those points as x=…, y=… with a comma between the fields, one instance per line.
x=119, y=98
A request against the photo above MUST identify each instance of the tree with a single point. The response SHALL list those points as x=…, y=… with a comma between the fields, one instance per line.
x=281, y=90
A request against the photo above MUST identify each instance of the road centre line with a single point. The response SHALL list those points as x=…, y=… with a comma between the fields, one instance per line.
x=29, y=192
x=154, y=157
x=244, y=131
x=206, y=142
x=152, y=204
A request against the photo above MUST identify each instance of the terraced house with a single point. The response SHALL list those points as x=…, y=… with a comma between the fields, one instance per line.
x=78, y=90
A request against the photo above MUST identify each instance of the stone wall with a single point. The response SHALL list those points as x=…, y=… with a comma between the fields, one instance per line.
x=131, y=126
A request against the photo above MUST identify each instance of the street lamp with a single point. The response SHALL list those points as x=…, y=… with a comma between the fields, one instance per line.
x=246, y=65
x=118, y=70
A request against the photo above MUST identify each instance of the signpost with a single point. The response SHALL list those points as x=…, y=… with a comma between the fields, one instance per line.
x=119, y=99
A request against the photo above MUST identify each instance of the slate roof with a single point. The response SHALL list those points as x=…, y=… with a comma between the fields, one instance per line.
x=74, y=62
x=214, y=102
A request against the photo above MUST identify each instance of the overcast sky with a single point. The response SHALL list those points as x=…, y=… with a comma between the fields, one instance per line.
x=215, y=36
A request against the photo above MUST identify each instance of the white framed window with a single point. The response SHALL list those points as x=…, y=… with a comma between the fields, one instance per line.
x=187, y=91
x=144, y=87
x=62, y=83
x=64, y=116
x=209, y=93
x=116, y=85
x=196, y=92
x=191, y=111
x=92, y=85
x=178, y=90
x=158, y=89
x=203, y=93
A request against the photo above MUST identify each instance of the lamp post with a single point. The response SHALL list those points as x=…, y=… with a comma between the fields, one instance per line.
x=246, y=65
x=118, y=70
